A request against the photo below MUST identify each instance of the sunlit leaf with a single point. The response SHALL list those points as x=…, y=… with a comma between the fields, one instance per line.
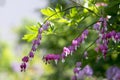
x=32, y=28
x=63, y=20
x=53, y=14
x=29, y=37
x=73, y=12
x=47, y=11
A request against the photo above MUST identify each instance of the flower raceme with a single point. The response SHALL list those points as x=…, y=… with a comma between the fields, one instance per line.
x=104, y=36
x=67, y=50
x=56, y=57
x=35, y=44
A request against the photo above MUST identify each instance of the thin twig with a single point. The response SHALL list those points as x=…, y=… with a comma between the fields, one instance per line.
x=86, y=28
x=88, y=48
x=91, y=44
x=86, y=8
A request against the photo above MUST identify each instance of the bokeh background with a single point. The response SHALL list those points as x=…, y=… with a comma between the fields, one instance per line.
x=15, y=15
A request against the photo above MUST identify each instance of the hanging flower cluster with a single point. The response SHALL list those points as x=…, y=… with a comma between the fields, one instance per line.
x=104, y=36
x=102, y=44
x=35, y=44
x=67, y=50
x=80, y=73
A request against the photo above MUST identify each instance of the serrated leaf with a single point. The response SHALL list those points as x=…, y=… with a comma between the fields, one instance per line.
x=59, y=14
x=29, y=37
x=73, y=12
x=53, y=13
x=32, y=28
x=47, y=11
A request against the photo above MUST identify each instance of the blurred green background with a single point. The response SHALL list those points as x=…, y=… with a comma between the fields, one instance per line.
x=11, y=53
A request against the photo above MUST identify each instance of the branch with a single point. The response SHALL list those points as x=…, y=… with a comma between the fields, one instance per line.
x=86, y=8
x=87, y=28
x=88, y=48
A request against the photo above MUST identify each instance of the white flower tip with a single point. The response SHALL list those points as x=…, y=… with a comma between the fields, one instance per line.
x=75, y=47
x=66, y=54
x=56, y=61
x=63, y=60
x=83, y=42
x=86, y=57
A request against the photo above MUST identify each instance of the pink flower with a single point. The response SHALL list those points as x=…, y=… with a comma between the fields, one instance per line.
x=101, y=4
x=25, y=59
x=66, y=51
x=31, y=54
x=23, y=67
x=50, y=57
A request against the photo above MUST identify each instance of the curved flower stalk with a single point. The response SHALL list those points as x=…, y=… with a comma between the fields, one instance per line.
x=35, y=44
x=67, y=50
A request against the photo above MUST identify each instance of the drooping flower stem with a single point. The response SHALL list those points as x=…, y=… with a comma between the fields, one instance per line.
x=86, y=49
x=67, y=50
x=86, y=28
x=91, y=44
x=35, y=44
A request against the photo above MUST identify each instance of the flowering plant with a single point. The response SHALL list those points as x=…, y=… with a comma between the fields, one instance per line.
x=75, y=17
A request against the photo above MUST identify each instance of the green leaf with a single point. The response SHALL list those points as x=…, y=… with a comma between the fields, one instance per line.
x=32, y=32
x=39, y=24
x=53, y=14
x=32, y=28
x=47, y=11
x=62, y=20
x=73, y=12
x=29, y=37
x=58, y=11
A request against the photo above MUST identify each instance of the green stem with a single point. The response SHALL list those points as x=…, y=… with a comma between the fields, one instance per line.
x=91, y=44
x=88, y=48
x=87, y=28
x=86, y=8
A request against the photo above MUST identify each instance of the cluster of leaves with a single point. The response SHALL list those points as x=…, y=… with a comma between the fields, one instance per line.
x=71, y=17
